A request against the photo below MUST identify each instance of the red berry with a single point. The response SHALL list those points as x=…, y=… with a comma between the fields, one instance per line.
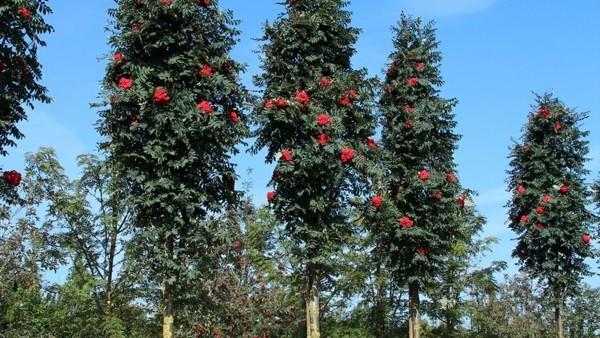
x=325, y=81
x=234, y=117
x=586, y=238
x=286, y=155
x=424, y=175
x=377, y=201
x=12, y=177
x=161, y=96
x=323, y=139
x=406, y=222
x=413, y=81
x=206, y=71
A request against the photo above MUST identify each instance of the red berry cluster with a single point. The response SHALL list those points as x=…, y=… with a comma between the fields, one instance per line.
x=12, y=177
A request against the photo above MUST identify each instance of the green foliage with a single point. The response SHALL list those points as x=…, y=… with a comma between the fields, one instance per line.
x=73, y=310
x=84, y=220
x=307, y=73
x=350, y=328
x=25, y=312
x=88, y=215
x=583, y=313
x=425, y=212
x=28, y=247
x=461, y=277
x=515, y=309
x=250, y=294
x=21, y=24
x=548, y=209
x=171, y=126
x=76, y=313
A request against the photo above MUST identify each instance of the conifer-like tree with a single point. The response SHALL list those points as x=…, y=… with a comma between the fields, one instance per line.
x=172, y=123
x=21, y=26
x=419, y=210
x=548, y=209
x=315, y=122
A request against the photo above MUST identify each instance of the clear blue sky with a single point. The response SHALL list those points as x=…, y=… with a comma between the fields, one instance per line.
x=496, y=52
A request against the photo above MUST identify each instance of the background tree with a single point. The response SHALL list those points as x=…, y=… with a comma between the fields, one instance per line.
x=90, y=218
x=548, y=209
x=73, y=309
x=28, y=248
x=461, y=271
x=419, y=208
x=582, y=313
x=173, y=124
x=252, y=287
x=315, y=123
x=515, y=308
x=82, y=224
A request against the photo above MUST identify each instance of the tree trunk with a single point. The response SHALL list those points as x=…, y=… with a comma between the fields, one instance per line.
x=558, y=317
x=109, y=273
x=449, y=325
x=379, y=312
x=414, y=320
x=379, y=306
x=307, y=298
x=312, y=305
x=168, y=319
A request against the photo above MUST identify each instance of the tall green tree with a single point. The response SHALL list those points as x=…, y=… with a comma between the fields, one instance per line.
x=22, y=24
x=171, y=126
x=548, y=209
x=315, y=124
x=419, y=208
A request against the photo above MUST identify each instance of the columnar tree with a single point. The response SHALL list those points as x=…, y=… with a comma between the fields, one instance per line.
x=419, y=209
x=548, y=209
x=315, y=124
x=21, y=24
x=171, y=124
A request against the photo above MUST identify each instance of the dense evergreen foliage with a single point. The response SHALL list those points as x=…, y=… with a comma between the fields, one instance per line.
x=173, y=121
x=154, y=237
x=419, y=210
x=22, y=25
x=316, y=123
x=548, y=209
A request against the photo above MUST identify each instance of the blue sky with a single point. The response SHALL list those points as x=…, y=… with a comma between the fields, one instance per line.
x=496, y=53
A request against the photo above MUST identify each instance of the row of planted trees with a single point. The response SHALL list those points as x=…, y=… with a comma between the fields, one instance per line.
x=176, y=113
x=255, y=289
